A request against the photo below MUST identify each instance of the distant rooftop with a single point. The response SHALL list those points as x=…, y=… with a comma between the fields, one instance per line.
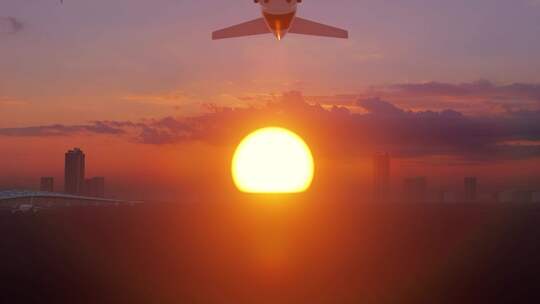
x=75, y=150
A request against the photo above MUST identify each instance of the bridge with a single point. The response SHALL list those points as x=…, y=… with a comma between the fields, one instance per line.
x=13, y=199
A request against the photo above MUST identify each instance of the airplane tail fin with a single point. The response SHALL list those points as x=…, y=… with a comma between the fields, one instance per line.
x=308, y=27
x=250, y=28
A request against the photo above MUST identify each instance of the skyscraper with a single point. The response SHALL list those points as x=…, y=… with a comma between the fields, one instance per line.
x=381, y=177
x=470, y=189
x=46, y=184
x=74, y=171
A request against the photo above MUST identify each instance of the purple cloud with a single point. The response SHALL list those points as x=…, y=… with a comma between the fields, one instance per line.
x=377, y=106
x=336, y=130
x=61, y=130
x=482, y=88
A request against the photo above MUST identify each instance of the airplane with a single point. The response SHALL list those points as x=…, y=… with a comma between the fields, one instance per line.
x=279, y=18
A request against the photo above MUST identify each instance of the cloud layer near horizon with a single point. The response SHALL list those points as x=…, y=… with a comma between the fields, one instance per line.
x=511, y=133
x=478, y=97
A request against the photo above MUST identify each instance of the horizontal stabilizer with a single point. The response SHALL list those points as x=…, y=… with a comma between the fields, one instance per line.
x=250, y=28
x=307, y=27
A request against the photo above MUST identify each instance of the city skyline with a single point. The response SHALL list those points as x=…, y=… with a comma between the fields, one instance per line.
x=384, y=186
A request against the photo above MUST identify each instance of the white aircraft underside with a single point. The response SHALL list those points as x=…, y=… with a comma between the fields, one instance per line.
x=279, y=18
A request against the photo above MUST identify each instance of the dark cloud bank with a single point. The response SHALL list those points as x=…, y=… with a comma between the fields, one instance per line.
x=336, y=130
x=471, y=98
x=481, y=89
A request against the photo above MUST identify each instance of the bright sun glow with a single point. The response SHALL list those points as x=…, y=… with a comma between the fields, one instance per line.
x=272, y=160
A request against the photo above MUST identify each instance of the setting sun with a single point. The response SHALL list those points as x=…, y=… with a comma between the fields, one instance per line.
x=272, y=160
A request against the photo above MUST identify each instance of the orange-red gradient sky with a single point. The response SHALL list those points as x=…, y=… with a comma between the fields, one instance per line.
x=448, y=89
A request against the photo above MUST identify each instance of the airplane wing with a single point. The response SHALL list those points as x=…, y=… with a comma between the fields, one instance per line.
x=250, y=28
x=308, y=27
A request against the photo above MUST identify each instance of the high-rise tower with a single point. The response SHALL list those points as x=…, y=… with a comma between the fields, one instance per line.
x=74, y=172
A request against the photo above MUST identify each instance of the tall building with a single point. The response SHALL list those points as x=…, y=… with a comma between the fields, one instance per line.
x=471, y=185
x=74, y=172
x=94, y=187
x=415, y=189
x=381, y=177
x=46, y=184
